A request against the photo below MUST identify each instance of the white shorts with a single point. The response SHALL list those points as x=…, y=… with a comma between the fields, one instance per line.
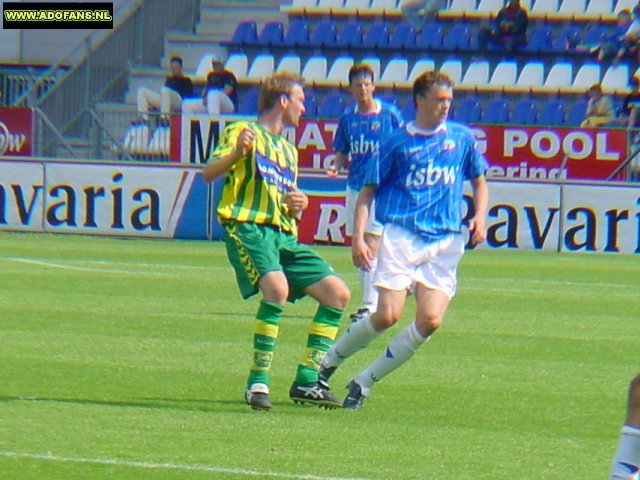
x=405, y=259
x=372, y=227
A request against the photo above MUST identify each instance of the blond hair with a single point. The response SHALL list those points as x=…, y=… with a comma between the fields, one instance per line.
x=275, y=86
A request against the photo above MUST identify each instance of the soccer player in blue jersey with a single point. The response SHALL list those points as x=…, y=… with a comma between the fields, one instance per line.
x=417, y=184
x=357, y=139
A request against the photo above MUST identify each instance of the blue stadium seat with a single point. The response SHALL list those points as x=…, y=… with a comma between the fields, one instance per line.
x=332, y=106
x=297, y=35
x=324, y=35
x=497, y=112
x=467, y=111
x=458, y=38
x=552, y=114
x=409, y=111
x=376, y=37
x=593, y=36
x=524, y=113
x=539, y=39
x=271, y=34
x=576, y=114
x=403, y=37
x=311, y=105
x=248, y=104
x=430, y=37
x=246, y=33
x=349, y=36
x=567, y=39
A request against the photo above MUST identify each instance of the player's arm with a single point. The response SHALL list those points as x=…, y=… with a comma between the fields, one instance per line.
x=220, y=165
x=297, y=201
x=339, y=162
x=477, y=225
x=360, y=251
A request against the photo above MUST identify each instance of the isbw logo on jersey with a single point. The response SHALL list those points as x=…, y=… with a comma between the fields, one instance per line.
x=420, y=176
x=361, y=145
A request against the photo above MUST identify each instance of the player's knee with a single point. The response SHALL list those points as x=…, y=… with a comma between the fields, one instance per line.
x=634, y=388
x=428, y=322
x=276, y=293
x=342, y=295
x=384, y=318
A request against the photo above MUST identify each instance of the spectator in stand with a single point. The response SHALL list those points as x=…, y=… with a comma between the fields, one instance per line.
x=509, y=30
x=418, y=12
x=599, y=109
x=177, y=87
x=219, y=94
x=612, y=43
x=631, y=38
x=631, y=106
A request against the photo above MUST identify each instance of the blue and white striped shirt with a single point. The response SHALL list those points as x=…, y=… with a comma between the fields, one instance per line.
x=360, y=135
x=419, y=176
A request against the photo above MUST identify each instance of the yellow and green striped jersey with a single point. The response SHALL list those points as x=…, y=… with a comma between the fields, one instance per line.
x=255, y=185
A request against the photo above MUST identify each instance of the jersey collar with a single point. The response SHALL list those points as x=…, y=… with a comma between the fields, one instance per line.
x=412, y=129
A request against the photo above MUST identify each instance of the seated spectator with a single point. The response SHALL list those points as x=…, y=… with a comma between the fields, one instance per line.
x=612, y=43
x=631, y=38
x=177, y=87
x=417, y=12
x=599, y=109
x=631, y=106
x=509, y=30
x=219, y=94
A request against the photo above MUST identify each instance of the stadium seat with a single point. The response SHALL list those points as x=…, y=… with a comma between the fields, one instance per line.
x=395, y=73
x=408, y=111
x=403, y=37
x=271, y=34
x=453, y=68
x=330, y=4
x=569, y=34
x=421, y=66
x=593, y=36
x=304, y=3
x=462, y=6
x=245, y=34
x=616, y=79
x=310, y=105
x=374, y=63
x=497, y=112
x=600, y=8
x=544, y=7
x=504, y=75
x=357, y=5
x=539, y=39
x=261, y=67
x=315, y=70
x=339, y=71
x=248, y=104
x=560, y=76
x=324, y=35
x=524, y=113
x=297, y=35
x=458, y=38
x=289, y=63
x=349, y=36
x=573, y=7
x=236, y=63
x=531, y=76
x=467, y=111
x=332, y=106
x=588, y=75
x=625, y=5
x=476, y=75
x=377, y=37
x=489, y=6
x=430, y=38
x=383, y=6
x=552, y=114
x=576, y=114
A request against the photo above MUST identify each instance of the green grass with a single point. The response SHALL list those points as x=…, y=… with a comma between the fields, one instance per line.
x=126, y=359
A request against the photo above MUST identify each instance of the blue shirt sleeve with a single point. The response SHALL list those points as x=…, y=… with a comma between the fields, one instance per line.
x=475, y=164
x=396, y=118
x=341, y=140
x=379, y=164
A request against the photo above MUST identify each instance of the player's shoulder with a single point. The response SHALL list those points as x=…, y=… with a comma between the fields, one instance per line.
x=397, y=136
x=459, y=129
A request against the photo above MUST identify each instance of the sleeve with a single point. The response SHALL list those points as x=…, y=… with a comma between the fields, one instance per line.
x=379, y=164
x=474, y=163
x=396, y=117
x=341, y=141
x=227, y=141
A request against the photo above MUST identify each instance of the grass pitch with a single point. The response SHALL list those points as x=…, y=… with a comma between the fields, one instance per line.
x=126, y=359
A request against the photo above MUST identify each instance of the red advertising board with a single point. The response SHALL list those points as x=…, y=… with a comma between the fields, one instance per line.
x=533, y=153
x=16, y=132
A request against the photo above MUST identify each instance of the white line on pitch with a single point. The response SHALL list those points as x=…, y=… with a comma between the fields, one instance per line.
x=171, y=466
x=43, y=263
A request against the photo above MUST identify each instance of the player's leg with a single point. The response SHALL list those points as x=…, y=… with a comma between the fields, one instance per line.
x=252, y=251
x=372, y=235
x=626, y=463
x=146, y=99
x=309, y=274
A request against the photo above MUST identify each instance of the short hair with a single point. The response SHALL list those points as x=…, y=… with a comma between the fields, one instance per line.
x=428, y=79
x=361, y=70
x=595, y=88
x=176, y=59
x=276, y=85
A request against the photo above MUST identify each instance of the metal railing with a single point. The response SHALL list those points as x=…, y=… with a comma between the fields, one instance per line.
x=102, y=74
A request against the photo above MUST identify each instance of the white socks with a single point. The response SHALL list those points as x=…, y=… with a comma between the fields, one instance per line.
x=627, y=459
x=369, y=292
x=357, y=336
x=400, y=349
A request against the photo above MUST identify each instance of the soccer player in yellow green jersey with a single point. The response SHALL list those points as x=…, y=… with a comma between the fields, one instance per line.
x=259, y=209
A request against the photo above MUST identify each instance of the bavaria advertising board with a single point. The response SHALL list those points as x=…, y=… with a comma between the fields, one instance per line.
x=525, y=153
x=21, y=195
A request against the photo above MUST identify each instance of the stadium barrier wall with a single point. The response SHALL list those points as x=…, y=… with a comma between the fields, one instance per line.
x=172, y=201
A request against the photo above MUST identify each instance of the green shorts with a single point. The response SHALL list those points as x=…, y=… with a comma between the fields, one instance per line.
x=255, y=250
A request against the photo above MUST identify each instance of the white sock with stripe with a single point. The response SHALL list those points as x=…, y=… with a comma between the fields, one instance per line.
x=369, y=292
x=357, y=336
x=626, y=463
